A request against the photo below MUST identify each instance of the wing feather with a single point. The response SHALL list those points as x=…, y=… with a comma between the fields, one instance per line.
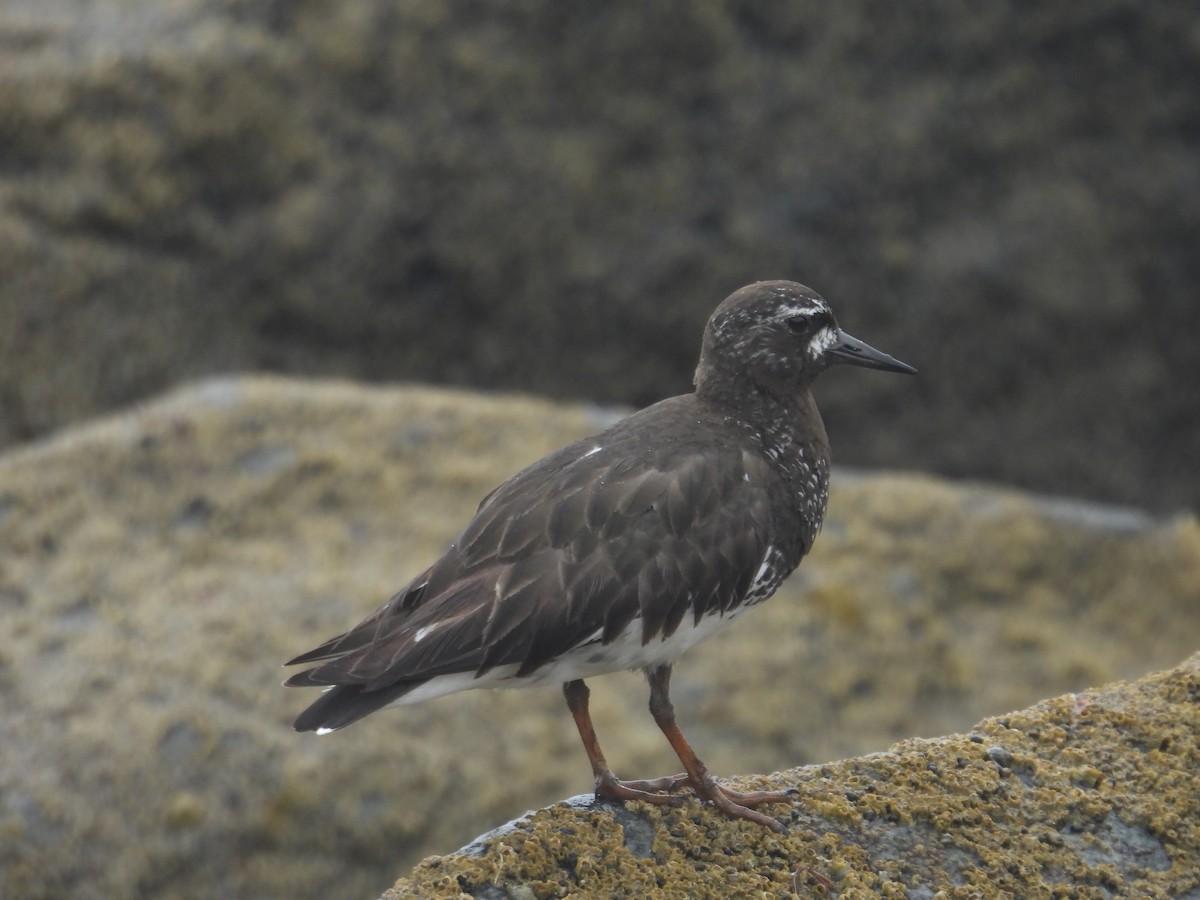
x=587, y=540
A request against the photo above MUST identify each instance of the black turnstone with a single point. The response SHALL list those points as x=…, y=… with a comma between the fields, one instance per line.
x=625, y=549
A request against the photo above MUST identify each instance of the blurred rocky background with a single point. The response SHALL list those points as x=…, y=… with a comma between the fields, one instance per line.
x=552, y=197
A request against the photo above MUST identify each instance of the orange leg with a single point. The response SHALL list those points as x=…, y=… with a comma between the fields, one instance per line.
x=608, y=786
x=735, y=804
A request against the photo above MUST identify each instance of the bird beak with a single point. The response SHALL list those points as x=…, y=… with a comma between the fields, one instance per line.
x=853, y=351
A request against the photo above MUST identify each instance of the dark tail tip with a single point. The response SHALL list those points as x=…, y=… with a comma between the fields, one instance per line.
x=346, y=703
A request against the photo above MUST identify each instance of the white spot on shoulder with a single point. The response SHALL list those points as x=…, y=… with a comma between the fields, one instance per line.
x=768, y=577
x=592, y=452
x=746, y=477
x=766, y=565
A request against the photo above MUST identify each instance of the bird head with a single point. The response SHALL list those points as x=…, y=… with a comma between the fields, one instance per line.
x=779, y=336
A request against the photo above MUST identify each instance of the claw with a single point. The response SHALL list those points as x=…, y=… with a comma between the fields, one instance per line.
x=660, y=792
x=741, y=805
x=609, y=787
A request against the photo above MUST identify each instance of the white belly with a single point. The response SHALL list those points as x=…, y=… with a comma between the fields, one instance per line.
x=586, y=661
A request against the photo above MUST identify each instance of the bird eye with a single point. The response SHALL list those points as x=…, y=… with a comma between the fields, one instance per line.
x=801, y=324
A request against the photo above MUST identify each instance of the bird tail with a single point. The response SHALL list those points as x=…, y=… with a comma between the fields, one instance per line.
x=344, y=704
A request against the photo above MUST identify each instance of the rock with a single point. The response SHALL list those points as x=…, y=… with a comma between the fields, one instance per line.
x=541, y=198
x=157, y=567
x=1096, y=797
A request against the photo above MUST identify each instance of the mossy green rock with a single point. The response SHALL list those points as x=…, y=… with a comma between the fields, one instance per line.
x=1093, y=795
x=157, y=567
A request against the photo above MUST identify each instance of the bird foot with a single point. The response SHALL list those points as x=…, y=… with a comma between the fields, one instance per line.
x=656, y=790
x=661, y=792
x=742, y=804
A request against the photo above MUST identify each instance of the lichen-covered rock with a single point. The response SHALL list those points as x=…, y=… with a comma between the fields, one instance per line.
x=1091, y=794
x=537, y=196
x=157, y=567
